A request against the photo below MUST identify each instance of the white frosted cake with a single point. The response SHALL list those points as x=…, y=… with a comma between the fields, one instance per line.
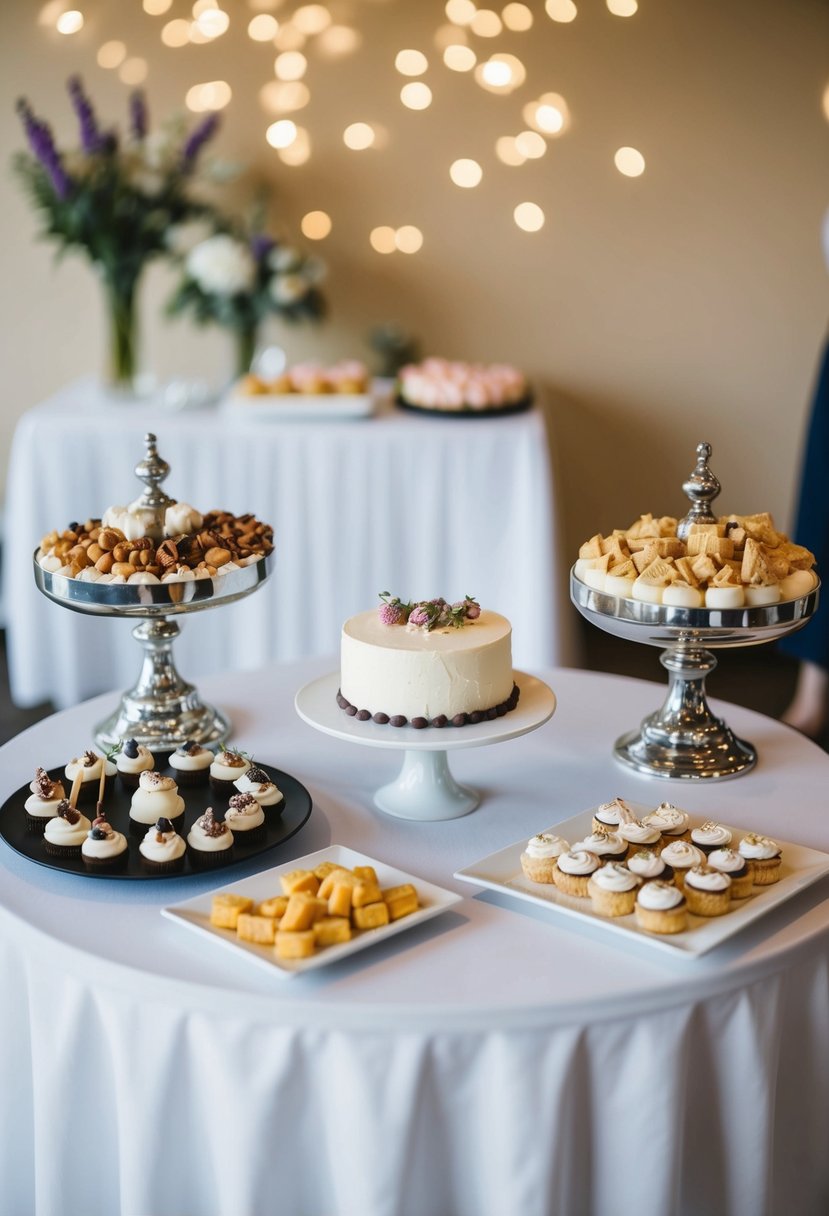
x=427, y=664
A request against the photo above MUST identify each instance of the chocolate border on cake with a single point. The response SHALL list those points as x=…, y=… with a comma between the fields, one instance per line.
x=462, y=719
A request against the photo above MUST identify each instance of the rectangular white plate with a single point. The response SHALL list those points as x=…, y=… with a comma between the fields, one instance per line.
x=195, y=913
x=502, y=871
x=271, y=407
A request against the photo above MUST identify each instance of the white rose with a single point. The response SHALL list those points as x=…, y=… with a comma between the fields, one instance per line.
x=182, y=238
x=288, y=288
x=221, y=266
x=283, y=258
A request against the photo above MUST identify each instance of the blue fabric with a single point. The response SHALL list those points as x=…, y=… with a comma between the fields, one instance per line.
x=812, y=526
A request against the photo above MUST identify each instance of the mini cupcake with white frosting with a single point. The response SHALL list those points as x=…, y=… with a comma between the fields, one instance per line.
x=256, y=782
x=607, y=846
x=191, y=763
x=43, y=802
x=90, y=765
x=538, y=861
x=65, y=832
x=708, y=891
x=710, y=835
x=764, y=856
x=728, y=861
x=640, y=835
x=661, y=908
x=650, y=866
x=104, y=851
x=612, y=889
x=162, y=850
x=673, y=823
x=608, y=815
x=227, y=766
x=246, y=819
x=157, y=796
x=681, y=855
x=133, y=760
x=210, y=841
x=573, y=870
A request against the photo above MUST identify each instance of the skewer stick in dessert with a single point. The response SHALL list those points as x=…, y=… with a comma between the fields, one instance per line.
x=76, y=789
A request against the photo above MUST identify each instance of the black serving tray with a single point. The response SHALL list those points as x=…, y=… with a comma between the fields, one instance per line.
x=467, y=411
x=295, y=809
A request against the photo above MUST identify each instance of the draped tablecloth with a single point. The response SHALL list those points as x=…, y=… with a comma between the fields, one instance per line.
x=495, y=1060
x=418, y=506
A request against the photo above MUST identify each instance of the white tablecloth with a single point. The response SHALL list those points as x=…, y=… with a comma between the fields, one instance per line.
x=493, y=1061
x=417, y=506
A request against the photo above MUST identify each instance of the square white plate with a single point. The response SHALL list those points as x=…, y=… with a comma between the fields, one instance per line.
x=195, y=913
x=502, y=871
x=272, y=407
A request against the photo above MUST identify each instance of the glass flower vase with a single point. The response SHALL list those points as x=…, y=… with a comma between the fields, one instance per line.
x=246, y=341
x=122, y=322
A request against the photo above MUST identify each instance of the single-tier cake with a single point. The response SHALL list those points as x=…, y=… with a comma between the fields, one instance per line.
x=429, y=663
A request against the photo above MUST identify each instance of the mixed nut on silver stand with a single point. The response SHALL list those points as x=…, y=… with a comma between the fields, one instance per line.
x=162, y=710
x=684, y=739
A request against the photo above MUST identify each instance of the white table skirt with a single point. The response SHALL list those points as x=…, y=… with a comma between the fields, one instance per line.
x=416, y=506
x=492, y=1061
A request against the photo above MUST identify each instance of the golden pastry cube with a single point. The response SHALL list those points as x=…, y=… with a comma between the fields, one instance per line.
x=332, y=930
x=253, y=928
x=366, y=891
x=324, y=869
x=300, y=880
x=340, y=899
x=226, y=909
x=400, y=900
x=275, y=906
x=371, y=916
x=295, y=945
x=340, y=874
x=302, y=910
x=366, y=874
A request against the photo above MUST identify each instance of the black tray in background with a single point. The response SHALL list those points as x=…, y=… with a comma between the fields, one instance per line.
x=466, y=411
x=296, y=808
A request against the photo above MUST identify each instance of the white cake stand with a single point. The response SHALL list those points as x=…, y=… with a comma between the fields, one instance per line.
x=425, y=789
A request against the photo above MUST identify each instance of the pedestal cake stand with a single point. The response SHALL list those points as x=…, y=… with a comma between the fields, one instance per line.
x=425, y=789
x=162, y=710
x=684, y=740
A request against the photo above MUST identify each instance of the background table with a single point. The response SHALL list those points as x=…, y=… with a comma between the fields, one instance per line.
x=418, y=506
x=495, y=1060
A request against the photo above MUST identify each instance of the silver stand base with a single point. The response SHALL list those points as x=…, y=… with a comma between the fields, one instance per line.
x=162, y=710
x=684, y=740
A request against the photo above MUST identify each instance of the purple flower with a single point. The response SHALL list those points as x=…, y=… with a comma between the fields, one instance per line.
x=419, y=616
x=138, y=115
x=390, y=614
x=92, y=139
x=261, y=245
x=205, y=131
x=43, y=146
x=473, y=610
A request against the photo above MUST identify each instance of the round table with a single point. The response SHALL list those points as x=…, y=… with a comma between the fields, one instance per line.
x=491, y=1061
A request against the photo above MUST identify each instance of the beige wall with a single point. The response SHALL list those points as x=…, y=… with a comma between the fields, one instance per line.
x=687, y=304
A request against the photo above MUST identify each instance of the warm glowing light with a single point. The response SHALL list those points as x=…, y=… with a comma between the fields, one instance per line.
x=197, y=35
x=548, y=118
x=261, y=6
x=530, y=144
x=262, y=27
x=460, y=58
x=111, y=54
x=176, y=33
x=312, y=19
x=496, y=72
x=466, y=173
x=517, y=17
x=155, y=8
x=622, y=8
x=460, y=12
x=629, y=162
x=529, y=217
x=383, y=239
x=826, y=103
x=290, y=65
x=416, y=96
x=486, y=23
x=408, y=239
x=549, y=114
x=316, y=225
x=411, y=63
x=358, y=136
x=299, y=151
x=281, y=134
x=289, y=38
x=561, y=10
x=280, y=97
x=338, y=40
x=449, y=35
x=212, y=23
x=50, y=12
x=69, y=22
x=133, y=71
x=507, y=152
x=202, y=6
x=213, y=95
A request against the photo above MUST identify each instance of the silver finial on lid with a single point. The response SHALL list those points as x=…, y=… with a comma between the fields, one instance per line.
x=702, y=487
x=152, y=470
